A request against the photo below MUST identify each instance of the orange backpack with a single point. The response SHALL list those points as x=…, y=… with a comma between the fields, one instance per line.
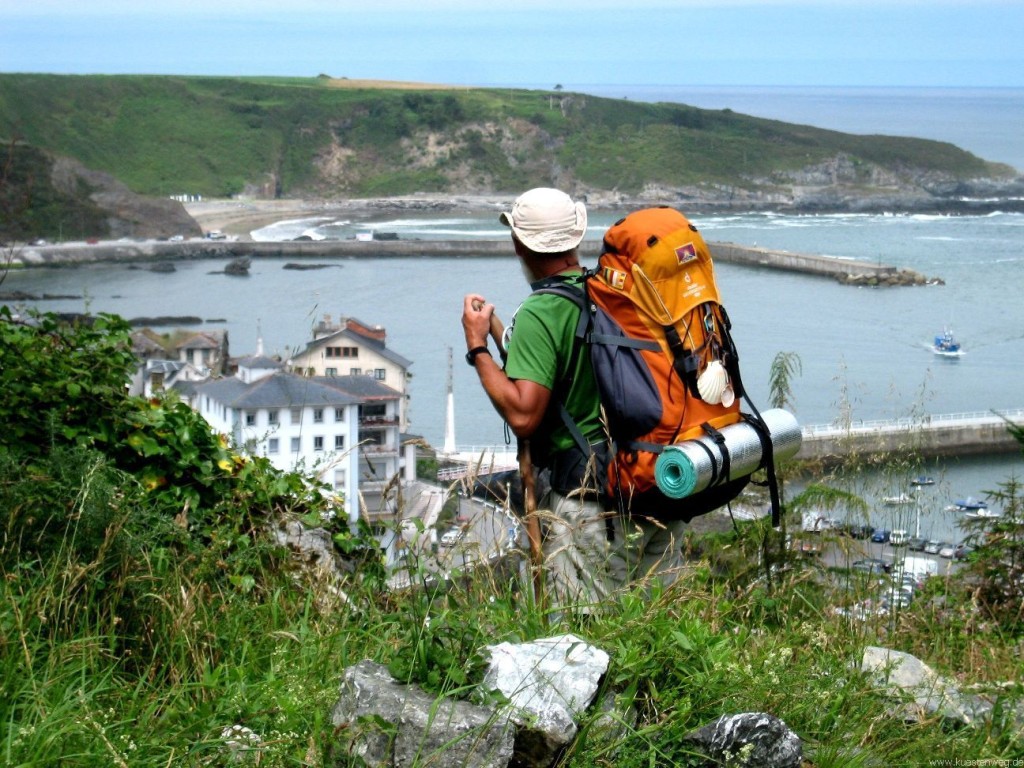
x=665, y=362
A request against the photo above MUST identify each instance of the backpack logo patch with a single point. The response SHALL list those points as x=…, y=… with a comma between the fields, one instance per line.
x=686, y=253
x=616, y=278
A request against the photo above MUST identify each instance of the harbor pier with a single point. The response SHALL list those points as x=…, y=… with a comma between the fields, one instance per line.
x=955, y=434
x=850, y=271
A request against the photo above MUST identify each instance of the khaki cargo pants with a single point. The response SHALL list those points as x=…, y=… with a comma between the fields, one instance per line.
x=590, y=553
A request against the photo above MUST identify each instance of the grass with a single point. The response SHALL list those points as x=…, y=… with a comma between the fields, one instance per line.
x=147, y=618
x=91, y=678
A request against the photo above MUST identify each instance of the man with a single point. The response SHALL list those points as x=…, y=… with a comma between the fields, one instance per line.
x=589, y=551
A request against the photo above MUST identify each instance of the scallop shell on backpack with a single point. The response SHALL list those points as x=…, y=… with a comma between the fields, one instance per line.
x=713, y=382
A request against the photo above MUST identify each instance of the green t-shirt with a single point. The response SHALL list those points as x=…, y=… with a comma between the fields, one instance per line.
x=541, y=350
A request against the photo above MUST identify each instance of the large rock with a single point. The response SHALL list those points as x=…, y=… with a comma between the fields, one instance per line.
x=385, y=723
x=548, y=684
x=903, y=675
x=127, y=213
x=749, y=740
x=545, y=687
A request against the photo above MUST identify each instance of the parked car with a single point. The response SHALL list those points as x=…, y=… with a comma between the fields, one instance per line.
x=916, y=544
x=899, y=537
x=961, y=552
x=452, y=537
x=947, y=550
x=858, y=531
x=932, y=546
x=901, y=578
x=872, y=565
x=806, y=546
x=897, y=598
x=880, y=535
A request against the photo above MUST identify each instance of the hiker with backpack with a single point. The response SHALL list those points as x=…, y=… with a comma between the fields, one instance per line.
x=547, y=393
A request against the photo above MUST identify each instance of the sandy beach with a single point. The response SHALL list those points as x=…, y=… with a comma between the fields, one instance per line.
x=240, y=217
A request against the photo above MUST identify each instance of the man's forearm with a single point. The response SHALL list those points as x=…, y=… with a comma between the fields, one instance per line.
x=520, y=403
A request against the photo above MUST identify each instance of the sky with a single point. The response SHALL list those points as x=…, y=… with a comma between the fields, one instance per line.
x=528, y=43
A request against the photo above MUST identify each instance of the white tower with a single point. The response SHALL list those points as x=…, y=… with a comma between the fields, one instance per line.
x=449, y=415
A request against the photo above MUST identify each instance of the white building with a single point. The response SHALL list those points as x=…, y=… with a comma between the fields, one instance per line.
x=153, y=376
x=296, y=422
x=354, y=348
x=205, y=351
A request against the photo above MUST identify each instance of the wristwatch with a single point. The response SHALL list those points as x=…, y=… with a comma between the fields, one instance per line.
x=471, y=355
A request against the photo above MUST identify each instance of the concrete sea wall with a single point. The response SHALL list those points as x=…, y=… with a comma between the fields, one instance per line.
x=845, y=270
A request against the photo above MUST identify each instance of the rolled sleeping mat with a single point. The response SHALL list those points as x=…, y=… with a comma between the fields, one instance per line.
x=688, y=467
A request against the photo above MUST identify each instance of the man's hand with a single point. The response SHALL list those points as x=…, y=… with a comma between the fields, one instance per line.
x=520, y=402
x=476, y=320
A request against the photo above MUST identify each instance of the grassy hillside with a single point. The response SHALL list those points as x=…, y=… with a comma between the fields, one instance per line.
x=217, y=137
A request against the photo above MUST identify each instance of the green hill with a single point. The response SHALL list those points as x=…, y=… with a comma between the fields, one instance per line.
x=284, y=137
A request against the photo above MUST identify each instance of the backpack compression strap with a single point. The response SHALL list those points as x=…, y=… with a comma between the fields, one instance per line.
x=559, y=286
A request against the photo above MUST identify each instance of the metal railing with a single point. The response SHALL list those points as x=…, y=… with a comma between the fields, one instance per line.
x=908, y=424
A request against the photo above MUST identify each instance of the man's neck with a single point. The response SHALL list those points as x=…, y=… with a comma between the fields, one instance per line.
x=560, y=267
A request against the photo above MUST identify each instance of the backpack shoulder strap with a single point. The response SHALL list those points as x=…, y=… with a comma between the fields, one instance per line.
x=576, y=293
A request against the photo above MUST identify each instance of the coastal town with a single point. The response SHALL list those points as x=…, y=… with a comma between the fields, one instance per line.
x=337, y=408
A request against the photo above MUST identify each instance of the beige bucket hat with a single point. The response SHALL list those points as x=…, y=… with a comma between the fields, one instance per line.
x=547, y=220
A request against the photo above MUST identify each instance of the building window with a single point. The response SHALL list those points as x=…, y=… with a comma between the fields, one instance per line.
x=318, y=415
x=272, y=416
x=295, y=445
x=339, y=442
x=158, y=381
x=350, y=351
x=330, y=372
x=250, y=418
x=296, y=415
x=340, y=477
x=272, y=445
x=378, y=374
x=333, y=351
x=190, y=356
x=339, y=414
x=318, y=443
x=356, y=371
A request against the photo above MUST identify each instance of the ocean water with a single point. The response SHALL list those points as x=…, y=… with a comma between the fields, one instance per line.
x=861, y=351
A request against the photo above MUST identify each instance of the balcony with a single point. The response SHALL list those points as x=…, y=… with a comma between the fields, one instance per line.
x=378, y=421
x=372, y=449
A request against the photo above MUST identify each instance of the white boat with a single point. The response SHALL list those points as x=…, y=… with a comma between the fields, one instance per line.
x=982, y=513
x=903, y=498
x=946, y=345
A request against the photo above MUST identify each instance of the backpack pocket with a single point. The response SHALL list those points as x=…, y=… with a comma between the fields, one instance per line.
x=629, y=391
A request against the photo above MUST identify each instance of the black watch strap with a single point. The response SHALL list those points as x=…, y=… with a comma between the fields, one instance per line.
x=471, y=355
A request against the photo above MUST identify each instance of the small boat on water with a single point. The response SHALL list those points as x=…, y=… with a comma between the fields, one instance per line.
x=923, y=480
x=981, y=514
x=970, y=504
x=946, y=345
x=903, y=498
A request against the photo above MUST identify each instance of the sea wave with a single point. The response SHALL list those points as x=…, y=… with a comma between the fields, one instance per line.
x=289, y=229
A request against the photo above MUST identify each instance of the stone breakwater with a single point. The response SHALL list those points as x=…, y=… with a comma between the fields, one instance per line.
x=847, y=271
